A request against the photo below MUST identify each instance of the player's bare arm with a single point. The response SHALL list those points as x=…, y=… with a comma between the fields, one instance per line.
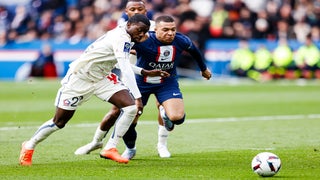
x=151, y=73
x=154, y=72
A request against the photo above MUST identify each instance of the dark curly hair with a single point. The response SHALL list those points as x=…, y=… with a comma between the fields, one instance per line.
x=139, y=18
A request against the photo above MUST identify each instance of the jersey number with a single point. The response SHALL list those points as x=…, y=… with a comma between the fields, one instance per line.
x=75, y=101
x=113, y=77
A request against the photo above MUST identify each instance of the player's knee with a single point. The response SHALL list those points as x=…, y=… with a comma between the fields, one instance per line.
x=176, y=116
x=62, y=117
x=179, y=121
x=114, y=113
x=130, y=110
x=59, y=123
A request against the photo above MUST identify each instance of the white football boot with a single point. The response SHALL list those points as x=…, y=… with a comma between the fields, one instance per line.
x=86, y=149
x=129, y=153
x=163, y=151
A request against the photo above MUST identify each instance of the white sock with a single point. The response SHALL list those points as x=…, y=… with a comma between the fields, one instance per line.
x=162, y=135
x=99, y=135
x=122, y=125
x=41, y=134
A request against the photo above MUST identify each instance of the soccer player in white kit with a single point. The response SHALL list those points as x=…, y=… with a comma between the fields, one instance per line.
x=91, y=75
x=132, y=7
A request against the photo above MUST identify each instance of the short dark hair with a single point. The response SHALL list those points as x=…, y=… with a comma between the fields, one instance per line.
x=164, y=18
x=139, y=18
x=142, y=1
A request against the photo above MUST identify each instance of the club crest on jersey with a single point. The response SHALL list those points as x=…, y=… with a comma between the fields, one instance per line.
x=166, y=53
x=126, y=47
x=66, y=102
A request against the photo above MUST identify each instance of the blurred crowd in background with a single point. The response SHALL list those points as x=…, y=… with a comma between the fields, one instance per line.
x=281, y=62
x=76, y=21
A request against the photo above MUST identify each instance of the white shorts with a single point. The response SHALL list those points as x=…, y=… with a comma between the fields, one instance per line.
x=76, y=90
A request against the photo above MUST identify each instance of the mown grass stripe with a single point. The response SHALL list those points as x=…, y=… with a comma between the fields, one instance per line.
x=196, y=121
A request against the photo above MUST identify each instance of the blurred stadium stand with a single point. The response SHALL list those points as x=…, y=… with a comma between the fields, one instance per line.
x=214, y=25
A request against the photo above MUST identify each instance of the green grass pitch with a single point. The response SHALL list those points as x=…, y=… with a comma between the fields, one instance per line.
x=227, y=124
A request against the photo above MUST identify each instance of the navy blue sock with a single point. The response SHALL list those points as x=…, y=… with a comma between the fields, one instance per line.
x=131, y=136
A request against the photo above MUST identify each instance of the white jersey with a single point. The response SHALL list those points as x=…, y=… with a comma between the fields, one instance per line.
x=97, y=61
x=152, y=25
x=133, y=58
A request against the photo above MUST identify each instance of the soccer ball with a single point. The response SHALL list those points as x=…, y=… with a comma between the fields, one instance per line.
x=266, y=164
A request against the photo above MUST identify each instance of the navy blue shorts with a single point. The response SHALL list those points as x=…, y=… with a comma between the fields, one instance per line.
x=164, y=91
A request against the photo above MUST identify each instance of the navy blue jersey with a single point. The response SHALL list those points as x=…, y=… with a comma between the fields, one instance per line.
x=152, y=54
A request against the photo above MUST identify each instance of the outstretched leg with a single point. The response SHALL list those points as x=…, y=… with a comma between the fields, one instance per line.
x=45, y=130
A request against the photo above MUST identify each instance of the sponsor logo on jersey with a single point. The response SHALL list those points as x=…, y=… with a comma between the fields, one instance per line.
x=162, y=66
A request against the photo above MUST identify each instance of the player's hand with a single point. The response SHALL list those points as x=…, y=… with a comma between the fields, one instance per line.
x=139, y=106
x=133, y=52
x=206, y=74
x=155, y=72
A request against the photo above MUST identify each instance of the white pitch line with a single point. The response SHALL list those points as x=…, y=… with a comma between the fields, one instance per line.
x=195, y=121
x=257, y=118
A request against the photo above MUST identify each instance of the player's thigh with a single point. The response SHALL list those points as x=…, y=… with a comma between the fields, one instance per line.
x=174, y=108
x=115, y=93
x=122, y=99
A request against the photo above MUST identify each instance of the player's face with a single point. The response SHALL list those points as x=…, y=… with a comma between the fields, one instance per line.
x=165, y=31
x=133, y=8
x=137, y=31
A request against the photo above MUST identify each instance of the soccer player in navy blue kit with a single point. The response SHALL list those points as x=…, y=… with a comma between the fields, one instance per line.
x=161, y=51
